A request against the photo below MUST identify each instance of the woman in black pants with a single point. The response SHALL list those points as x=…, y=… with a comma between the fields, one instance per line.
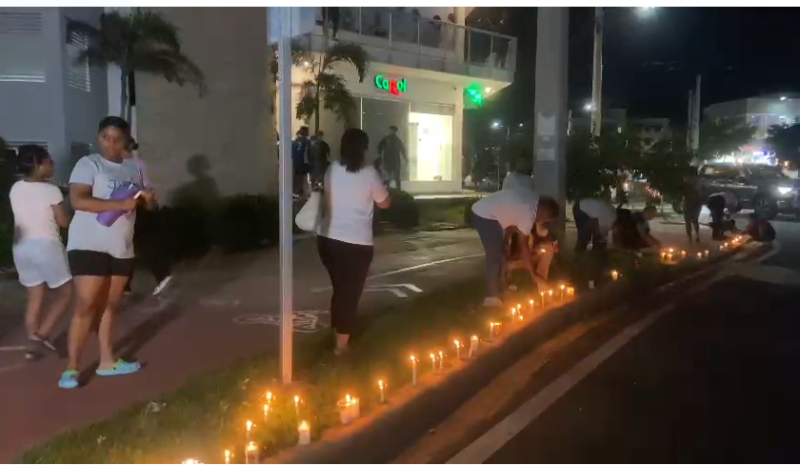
x=352, y=189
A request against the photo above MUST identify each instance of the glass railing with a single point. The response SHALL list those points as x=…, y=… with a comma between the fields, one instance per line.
x=398, y=29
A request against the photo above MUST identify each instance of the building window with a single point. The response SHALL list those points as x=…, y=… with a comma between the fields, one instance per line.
x=22, y=57
x=430, y=142
x=78, y=74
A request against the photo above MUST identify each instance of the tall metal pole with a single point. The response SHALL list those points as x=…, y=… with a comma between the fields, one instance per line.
x=550, y=105
x=690, y=121
x=285, y=192
x=597, y=73
x=696, y=119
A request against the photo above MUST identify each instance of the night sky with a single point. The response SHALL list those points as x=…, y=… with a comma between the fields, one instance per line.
x=650, y=62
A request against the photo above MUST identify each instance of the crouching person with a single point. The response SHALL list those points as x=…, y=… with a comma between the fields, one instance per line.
x=542, y=246
x=759, y=229
x=594, y=219
x=519, y=209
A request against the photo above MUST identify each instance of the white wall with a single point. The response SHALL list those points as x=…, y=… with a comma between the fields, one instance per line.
x=231, y=126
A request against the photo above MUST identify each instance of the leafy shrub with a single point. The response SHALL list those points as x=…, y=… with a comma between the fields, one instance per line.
x=402, y=214
x=245, y=222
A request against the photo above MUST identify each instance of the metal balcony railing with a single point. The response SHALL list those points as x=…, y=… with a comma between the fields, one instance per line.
x=449, y=43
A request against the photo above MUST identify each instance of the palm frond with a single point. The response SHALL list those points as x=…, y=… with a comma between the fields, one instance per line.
x=171, y=65
x=153, y=28
x=345, y=52
x=306, y=107
x=337, y=97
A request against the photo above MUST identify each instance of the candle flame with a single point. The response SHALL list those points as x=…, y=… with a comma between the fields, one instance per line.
x=457, y=344
x=519, y=306
x=550, y=292
x=562, y=287
x=530, y=301
x=441, y=355
x=296, y=400
x=266, y=409
x=380, y=384
x=249, y=425
x=192, y=461
x=227, y=455
x=474, y=337
x=347, y=399
x=251, y=446
x=671, y=250
x=303, y=426
x=413, y=359
x=433, y=357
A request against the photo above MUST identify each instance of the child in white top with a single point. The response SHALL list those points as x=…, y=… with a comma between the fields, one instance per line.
x=39, y=255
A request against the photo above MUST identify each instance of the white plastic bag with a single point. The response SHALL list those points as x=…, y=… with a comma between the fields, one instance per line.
x=309, y=218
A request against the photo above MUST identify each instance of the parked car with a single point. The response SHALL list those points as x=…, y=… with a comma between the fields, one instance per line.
x=762, y=188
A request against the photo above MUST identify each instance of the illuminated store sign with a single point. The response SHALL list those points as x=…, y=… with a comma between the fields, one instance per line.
x=392, y=85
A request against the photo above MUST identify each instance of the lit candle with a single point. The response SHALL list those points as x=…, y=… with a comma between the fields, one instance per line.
x=458, y=349
x=297, y=405
x=227, y=456
x=591, y=284
x=722, y=247
x=248, y=426
x=699, y=255
x=614, y=275
x=473, y=346
x=570, y=291
x=706, y=253
x=492, y=325
x=550, y=294
x=519, y=307
x=513, y=312
x=671, y=250
x=381, y=387
x=348, y=409
x=251, y=453
x=562, y=291
x=433, y=361
x=269, y=397
x=303, y=434
x=663, y=256
x=441, y=359
x=669, y=257
x=413, y=370
x=683, y=254
x=530, y=302
x=266, y=412
x=191, y=461
x=541, y=298
x=520, y=317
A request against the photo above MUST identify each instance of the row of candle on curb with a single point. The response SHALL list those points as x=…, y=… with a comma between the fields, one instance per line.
x=349, y=408
x=668, y=255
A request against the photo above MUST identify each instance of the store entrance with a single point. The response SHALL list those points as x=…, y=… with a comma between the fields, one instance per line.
x=430, y=147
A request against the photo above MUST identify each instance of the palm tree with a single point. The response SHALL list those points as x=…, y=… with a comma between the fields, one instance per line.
x=325, y=86
x=142, y=42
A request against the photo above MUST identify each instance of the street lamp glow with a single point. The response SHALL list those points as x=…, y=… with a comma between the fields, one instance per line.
x=488, y=90
x=783, y=97
x=496, y=124
x=588, y=107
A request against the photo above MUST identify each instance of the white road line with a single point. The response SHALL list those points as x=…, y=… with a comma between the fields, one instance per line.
x=12, y=348
x=410, y=268
x=494, y=439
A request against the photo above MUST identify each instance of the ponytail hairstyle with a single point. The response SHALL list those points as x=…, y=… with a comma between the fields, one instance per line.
x=29, y=157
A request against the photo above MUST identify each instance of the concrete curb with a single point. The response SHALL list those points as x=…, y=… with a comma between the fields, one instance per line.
x=384, y=433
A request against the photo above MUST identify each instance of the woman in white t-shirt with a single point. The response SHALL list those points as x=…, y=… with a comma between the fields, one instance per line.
x=352, y=189
x=39, y=255
x=594, y=219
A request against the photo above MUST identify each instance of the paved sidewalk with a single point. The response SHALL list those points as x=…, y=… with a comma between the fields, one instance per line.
x=222, y=309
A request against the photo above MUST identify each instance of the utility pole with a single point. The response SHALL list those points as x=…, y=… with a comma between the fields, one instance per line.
x=550, y=106
x=597, y=73
x=690, y=120
x=696, y=119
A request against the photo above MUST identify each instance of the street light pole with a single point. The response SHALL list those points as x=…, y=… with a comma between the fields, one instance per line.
x=597, y=72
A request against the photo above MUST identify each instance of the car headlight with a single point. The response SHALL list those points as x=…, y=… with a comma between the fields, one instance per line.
x=785, y=190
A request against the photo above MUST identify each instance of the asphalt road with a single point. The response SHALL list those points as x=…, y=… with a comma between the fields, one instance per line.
x=715, y=379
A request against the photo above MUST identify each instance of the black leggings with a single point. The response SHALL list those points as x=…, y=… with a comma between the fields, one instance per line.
x=716, y=205
x=150, y=245
x=347, y=266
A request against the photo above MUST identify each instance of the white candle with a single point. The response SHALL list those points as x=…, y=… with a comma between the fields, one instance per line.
x=251, y=453
x=699, y=255
x=413, y=370
x=591, y=284
x=706, y=253
x=441, y=360
x=348, y=409
x=381, y=388
x=683, y=254
x=266, y=412
x=433, y=361
x=473, y=346
x=269, y=397
x=530, y=302
x=227, y=456
x=303, y=434
x=550, y=294
x=570, y=291
x=191, y=461
x=248, y=426
x=513, y=312
x=562, y=291
x=297, y=405
x=458, y=349
x=614, y=275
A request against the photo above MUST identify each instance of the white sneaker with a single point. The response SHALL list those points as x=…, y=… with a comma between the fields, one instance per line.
x=492, y=302
x=162, y=285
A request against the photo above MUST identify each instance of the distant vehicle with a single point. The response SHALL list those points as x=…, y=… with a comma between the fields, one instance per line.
x=762, y=188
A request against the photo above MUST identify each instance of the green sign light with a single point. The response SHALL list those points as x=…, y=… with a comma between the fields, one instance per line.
x=392, y=85
x=473, y=95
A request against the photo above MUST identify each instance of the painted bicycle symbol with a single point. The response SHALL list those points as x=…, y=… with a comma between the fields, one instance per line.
x=304, y=321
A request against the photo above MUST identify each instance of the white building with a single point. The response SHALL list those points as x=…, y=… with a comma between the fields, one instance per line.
x=225, y=141
x=759, y=112
x=44, y=97
x=435, y=61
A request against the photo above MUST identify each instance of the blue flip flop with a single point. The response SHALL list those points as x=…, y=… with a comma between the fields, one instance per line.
x=69, y=379
x=121, y=367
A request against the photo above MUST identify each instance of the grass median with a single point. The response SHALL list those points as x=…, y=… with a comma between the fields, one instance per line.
x=208, y=414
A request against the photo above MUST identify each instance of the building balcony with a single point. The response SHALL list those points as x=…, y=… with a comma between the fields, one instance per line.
x=408, y=40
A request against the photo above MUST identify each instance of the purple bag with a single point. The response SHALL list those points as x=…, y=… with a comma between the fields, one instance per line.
x=126, y=191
